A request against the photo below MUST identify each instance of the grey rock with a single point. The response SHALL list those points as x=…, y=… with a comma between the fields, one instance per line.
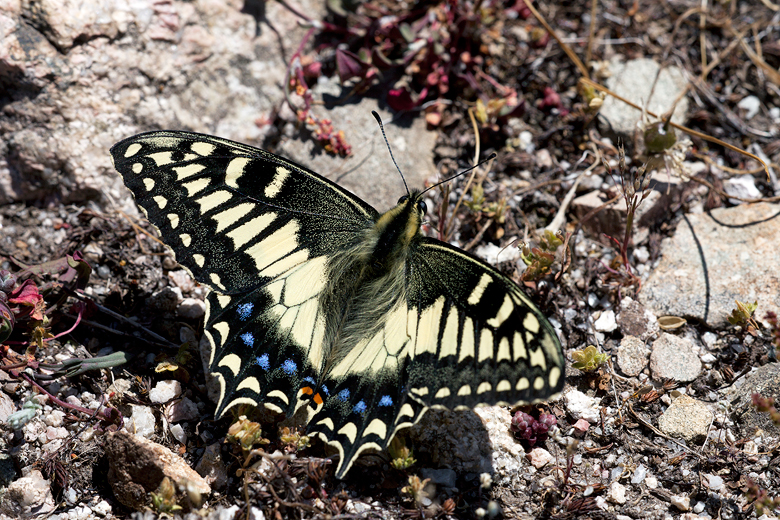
x=686, y=418
x=632, y=355
x=633, y=80
x=202, y=67
x=764, y=380
x=191, y=308
x=212, y=468
x=369, y=173
x=184, y=410
x=714, y=259
x=455, y=440
x=65, y=21
x=635, y=320
x=674, y=358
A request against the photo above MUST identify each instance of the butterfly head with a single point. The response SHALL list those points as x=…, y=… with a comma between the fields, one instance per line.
x=413, y=203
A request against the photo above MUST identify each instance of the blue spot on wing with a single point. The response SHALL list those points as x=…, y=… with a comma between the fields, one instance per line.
x=248, y=338
x=245, y=310
x=360, y=407
x=310, y=380
x=343, y=395
x=386, y=401
x=289, y=367
x=325, y=389
x=263, y=362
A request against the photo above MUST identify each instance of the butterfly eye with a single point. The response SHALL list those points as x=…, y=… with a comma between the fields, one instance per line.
x=423, y=206
x=403, y=199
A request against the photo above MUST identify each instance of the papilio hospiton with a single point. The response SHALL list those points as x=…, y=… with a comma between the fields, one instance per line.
x=319, y=301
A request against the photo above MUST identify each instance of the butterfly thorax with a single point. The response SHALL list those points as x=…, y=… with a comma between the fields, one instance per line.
x=395, y=231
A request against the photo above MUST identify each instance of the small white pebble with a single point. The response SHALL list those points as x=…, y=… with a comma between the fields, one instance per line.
x=606, y=322
x=714, y=482
x=102, y=508
x=681, y=502
x=617, y=493
x=639, y=474
x=707, y=358
x=178, y=433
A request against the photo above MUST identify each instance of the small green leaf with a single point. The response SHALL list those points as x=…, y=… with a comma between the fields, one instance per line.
x=588, y=359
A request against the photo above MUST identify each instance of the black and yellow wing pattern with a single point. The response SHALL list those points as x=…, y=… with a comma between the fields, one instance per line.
x=320, y=302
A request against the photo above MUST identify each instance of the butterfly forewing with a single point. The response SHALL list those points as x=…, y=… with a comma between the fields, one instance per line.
x=259, y=231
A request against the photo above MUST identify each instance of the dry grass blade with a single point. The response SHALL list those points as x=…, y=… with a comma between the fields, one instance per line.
x=568, y=50
x=758, y=61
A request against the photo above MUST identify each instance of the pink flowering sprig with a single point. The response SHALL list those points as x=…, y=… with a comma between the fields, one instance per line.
x=24, y=303
x=763, y=503
x=766, y=404
x=333, y=141
x=532, y=431
x=438, y=51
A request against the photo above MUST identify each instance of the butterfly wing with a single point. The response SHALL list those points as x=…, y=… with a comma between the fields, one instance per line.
x=478, y=338
x=259, y=230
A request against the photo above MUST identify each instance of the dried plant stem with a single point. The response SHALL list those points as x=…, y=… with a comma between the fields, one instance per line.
x=682, y=128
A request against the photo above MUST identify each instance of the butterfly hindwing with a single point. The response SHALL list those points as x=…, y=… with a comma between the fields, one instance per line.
x=479, y=339
x=259, y=231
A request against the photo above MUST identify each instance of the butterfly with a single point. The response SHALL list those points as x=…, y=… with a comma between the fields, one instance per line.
x=322, y=306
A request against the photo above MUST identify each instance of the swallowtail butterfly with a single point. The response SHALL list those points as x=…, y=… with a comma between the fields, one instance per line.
x=320, y=302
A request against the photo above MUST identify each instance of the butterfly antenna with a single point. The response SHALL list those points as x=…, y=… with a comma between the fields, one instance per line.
x=489, y=158
x=382, y=128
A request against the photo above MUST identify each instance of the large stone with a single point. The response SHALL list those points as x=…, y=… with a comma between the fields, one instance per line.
x=137, y=466
x=716, y=258
x=686, y=418
x=369, y=173
x=633, y=80
x=764, y=381
x=675, y=358
x=28, y=497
